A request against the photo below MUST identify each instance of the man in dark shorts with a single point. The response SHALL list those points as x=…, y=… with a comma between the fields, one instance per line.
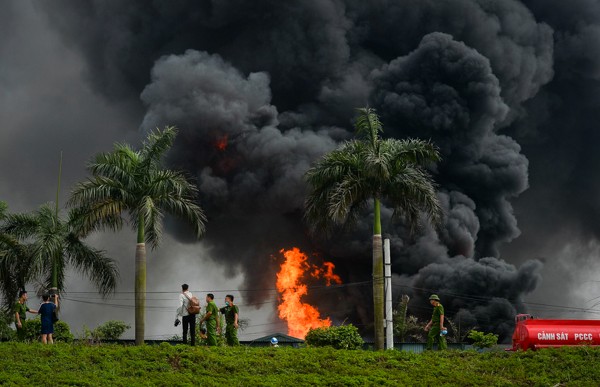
x=21, y=310
x=436, y=325
x=212, y=320
x=46, y=311
x=231, y=313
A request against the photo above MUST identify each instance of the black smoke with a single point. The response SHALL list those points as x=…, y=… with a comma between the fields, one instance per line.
x=495, y=84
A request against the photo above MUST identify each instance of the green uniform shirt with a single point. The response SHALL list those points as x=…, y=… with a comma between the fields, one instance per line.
x=230, y=312
x=437, y=312
x=212, y=307
x=22, y=310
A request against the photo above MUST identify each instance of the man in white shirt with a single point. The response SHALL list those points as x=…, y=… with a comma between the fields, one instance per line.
x=188, y=320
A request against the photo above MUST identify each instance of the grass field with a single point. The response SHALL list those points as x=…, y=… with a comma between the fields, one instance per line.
x=166, y=365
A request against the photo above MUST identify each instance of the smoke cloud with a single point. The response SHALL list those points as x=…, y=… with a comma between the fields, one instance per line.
x=260, y=90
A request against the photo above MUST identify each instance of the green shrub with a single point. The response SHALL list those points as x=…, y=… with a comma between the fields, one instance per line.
x=166, y=365
x=339, y=337
x=6, y=332
x=33, y=328
x=482, y=340
x=111, y=330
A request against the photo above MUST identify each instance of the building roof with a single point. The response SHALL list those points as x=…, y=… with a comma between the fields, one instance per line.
x=282, y=338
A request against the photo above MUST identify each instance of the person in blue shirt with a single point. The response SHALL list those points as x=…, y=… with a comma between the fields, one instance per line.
x=46, y=310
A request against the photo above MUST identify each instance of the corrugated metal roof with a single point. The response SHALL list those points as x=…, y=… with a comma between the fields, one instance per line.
x=282, y=338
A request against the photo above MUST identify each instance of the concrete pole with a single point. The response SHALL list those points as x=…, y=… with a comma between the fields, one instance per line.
x=389, y=319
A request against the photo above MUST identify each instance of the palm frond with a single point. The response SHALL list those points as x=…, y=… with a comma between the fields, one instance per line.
x=100, y=189
x=175, y=194
x=367, y=124
x=21, y=226
x=98, y=205
x=118, y=166
x=413, y=192
x=343, y=181
x=3, y=208
x=153, y=217
x=15, y=271
x=94, y=264
x=337, y=186
x=156, y=145
x=411, y=150
x=96, y=217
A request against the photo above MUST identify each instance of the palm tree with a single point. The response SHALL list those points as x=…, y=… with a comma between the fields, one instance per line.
x=54, y=244
x=14, y=260
x=366, y=170
x=134, y=181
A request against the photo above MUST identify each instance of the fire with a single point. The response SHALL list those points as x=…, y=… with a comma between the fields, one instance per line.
x=291, y=285
x=221, y=142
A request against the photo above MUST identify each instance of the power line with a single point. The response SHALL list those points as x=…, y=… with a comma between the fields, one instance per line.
x=489, y=298
x=333, y=286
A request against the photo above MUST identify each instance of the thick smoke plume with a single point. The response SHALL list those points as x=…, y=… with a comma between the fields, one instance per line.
x=259, y=90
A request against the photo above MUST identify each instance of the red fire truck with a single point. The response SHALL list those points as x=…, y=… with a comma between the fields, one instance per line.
x=532, y=333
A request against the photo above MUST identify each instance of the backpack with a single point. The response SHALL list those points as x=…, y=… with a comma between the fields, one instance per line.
x=193, y=305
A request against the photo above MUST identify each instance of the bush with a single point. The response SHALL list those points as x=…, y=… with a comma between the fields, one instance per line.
x=340, y=337
x=482, y=340
x=111, y=330
x=6, y=332
x=33, y=328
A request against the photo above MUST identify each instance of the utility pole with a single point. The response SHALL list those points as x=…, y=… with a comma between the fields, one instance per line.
x=389, y=318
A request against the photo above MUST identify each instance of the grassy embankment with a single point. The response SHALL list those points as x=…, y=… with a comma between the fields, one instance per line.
x=166, y=365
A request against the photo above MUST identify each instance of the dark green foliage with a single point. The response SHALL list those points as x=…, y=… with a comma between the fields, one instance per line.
x=338, y=337
x=6, y=320
x=482, y=340
x=410, y=329
x=15, y=262
x=166, y=365
x=45, y=243
x=33, y=327
x=112, y=330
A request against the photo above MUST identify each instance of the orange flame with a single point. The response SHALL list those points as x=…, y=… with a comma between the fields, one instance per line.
x=300, y=316
x=221, y=142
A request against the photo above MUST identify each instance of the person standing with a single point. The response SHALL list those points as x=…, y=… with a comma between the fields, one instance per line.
x=436, y=325
x=21, y=310
x=188, y=319
x=212, y=320
x=46, y=311
x=231, y=313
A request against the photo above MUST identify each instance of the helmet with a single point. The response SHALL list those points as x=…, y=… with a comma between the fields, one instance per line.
x=274, y=340
x=434, y=297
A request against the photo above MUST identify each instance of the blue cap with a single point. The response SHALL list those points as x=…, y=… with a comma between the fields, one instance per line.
x=274, y=340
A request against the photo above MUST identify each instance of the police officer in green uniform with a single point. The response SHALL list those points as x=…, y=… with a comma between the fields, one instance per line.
x=231, y=313
x=212, y=320
x=20, y=310
x=436, y=324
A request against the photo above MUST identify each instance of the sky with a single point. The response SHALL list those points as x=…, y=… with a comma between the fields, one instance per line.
x=509, y=91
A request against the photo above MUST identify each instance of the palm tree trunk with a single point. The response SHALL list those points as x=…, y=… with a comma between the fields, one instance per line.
x=378, y=289
x=54, y=277
x=140, y=284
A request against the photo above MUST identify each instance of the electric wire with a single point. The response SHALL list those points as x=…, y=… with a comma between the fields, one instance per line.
x=80, y=297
